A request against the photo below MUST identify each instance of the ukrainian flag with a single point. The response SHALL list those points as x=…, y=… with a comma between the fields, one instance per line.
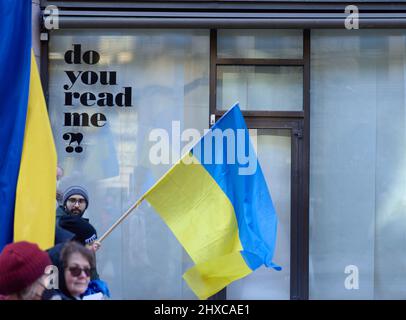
x=221, y=213
x=27, y=150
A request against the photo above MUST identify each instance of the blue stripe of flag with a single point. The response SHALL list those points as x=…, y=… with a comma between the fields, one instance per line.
x=15, y=50
x=249, y=194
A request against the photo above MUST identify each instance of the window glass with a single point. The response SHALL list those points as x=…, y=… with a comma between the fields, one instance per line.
x=109, y=91
x=260, y=44
x=357, y=164
x=262, y=88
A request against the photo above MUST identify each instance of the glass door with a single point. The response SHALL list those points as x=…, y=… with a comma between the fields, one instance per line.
x=274, y=153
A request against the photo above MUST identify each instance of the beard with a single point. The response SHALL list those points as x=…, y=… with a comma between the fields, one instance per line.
x=76, y=212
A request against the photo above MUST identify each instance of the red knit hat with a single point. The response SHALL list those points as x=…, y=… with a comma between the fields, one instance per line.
x=21, y=263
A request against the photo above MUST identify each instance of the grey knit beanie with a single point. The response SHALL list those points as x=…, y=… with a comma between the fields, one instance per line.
x=75, y=190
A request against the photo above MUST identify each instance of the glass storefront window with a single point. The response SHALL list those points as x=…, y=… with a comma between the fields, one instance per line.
x=260, y=88
x=114, y=88
x=260, y=44
x=357, y=164
x=143, y=80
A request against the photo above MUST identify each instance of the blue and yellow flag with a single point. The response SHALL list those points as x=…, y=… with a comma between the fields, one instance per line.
x=27, y=150
x=219, y=207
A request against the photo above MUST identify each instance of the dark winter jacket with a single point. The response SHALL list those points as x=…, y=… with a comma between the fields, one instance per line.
x=61, y=233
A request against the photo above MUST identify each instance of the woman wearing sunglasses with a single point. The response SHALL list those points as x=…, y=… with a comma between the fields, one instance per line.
x=77, y=263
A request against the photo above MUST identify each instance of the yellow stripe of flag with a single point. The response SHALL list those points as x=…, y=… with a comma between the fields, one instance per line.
x=34, y=218
x=202, y=218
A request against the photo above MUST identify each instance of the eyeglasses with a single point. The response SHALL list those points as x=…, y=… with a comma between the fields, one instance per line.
x=73, y=201
x=77, y=271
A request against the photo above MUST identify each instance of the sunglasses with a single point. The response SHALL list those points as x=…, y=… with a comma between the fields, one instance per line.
x=77, y=271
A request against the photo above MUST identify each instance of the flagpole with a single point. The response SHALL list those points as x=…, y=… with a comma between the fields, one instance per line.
x=125, y=214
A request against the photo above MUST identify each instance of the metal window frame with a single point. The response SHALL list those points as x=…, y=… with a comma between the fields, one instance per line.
x=251, y=62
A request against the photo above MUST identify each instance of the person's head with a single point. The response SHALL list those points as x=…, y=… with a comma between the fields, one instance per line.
x=22, y=271
x=83, y=231
x=75, y=200
x=59, y=193
x=78, y=263
x=59, y=173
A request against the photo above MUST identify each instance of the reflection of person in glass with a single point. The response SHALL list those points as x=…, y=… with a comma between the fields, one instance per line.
x=59, y=193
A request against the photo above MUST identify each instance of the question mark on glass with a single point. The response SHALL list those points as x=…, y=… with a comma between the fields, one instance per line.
x=73, y=137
